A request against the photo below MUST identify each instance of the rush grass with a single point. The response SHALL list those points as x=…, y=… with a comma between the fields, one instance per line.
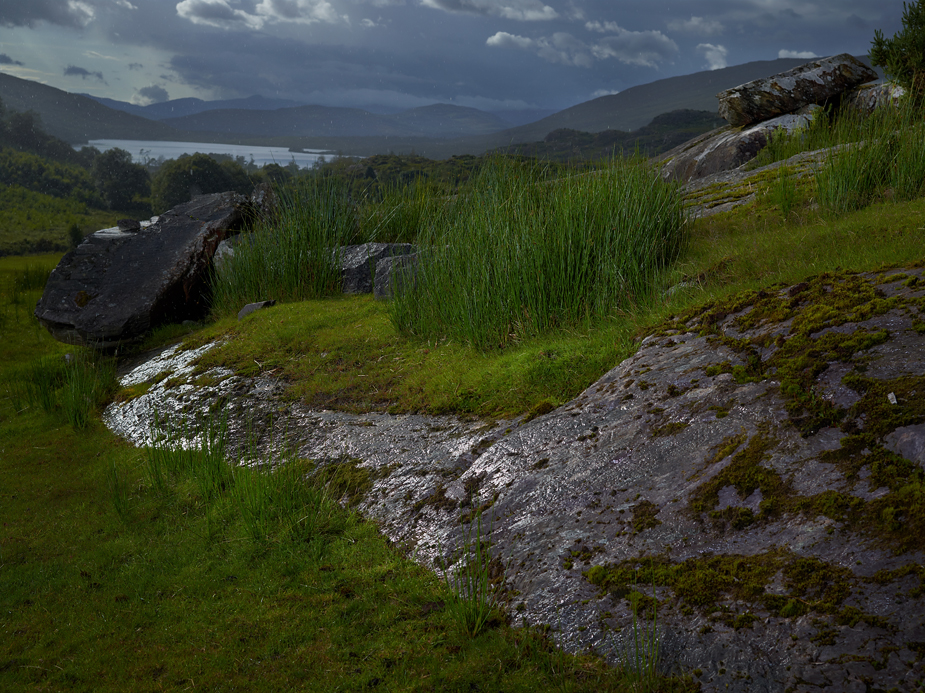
x=521, y=255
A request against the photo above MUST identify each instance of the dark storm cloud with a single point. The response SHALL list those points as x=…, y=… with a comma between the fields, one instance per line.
x=484, y=53
x=522, y=10
x=7, y=60
x=150, y=94
x=32, y=12
x=83, y=73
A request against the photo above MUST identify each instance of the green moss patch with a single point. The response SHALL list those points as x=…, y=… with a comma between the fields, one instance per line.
x=708, y=585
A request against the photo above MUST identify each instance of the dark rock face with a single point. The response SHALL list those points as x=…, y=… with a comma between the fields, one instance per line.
x=118, y=283
x=727, y=148
x=817, y=82
x=394, y=272
x=869, y=97
x=749, y=460
x=358, y=263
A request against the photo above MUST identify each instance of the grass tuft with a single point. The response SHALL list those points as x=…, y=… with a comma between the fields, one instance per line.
x=520, y=255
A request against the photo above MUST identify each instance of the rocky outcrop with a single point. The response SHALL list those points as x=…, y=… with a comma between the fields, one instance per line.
x=121, y=282
x=758, y=462
x=393, y=273
x=728, y=148
x=869, y=97
x=817, y=82
x=358, y=263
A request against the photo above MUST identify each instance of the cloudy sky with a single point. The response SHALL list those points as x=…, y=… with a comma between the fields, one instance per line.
x=489, y=54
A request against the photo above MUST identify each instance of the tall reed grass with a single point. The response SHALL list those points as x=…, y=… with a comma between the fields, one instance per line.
x=399, y=212
x=518, y=255
x=74, y=386
x=888, y=162
x=274, y=499
x=177, y=453
x=291, y=256
x=474, y=601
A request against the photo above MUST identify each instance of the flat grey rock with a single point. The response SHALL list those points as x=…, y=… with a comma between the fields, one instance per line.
x=817, y=82
x=690, y=456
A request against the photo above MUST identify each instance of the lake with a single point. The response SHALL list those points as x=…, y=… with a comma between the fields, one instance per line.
x=142, y=150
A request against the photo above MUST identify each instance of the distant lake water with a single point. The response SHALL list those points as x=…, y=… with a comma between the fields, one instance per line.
x=142, y=150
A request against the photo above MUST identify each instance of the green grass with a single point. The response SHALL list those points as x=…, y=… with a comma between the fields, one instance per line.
x=111, y=580
x=520, y=255
x=34, y=222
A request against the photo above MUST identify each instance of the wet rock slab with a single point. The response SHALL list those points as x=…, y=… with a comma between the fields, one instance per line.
x=690, y=456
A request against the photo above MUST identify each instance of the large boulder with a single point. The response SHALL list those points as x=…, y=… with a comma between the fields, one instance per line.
x=358, y=263
x=121, y=282
x=728, y=148
x=758, y=461
x=393, y=273
x=817, y=82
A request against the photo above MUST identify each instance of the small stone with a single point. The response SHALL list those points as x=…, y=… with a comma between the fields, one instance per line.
x=252, y=307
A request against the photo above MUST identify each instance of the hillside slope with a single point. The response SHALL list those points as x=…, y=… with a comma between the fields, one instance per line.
x=74, y=118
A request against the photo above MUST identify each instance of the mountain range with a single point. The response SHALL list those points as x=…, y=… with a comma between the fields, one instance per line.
x=436, y=131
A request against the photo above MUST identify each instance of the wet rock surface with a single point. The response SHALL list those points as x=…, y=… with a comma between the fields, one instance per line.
x=748, y=461
x=727, y=148
x=358, y=263
x=817, y=83
x=121, y=282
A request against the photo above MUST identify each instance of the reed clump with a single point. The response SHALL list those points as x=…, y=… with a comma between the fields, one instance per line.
x=519, y=255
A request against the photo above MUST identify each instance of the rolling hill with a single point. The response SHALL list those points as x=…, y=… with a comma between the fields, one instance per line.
x=74, y=118
x=438, y=120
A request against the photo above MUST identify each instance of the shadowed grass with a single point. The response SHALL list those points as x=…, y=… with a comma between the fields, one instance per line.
x=289, y=258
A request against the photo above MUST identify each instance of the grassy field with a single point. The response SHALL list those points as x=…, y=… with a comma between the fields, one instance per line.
x=114, y=576
x=123, y=570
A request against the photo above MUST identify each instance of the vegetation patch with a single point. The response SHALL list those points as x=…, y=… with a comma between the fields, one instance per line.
x=712, y=584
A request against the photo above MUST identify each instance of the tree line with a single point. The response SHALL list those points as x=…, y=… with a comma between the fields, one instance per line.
x=32, y=159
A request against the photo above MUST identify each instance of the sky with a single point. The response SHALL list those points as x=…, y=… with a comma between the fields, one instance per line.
x=495, y=55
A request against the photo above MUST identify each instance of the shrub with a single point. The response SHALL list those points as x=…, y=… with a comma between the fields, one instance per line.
x=903, y=56
x=179, y=180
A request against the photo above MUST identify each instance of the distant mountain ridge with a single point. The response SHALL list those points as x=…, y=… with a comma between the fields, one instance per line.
x=177, y=108
x=438, y=120
x=437, y=131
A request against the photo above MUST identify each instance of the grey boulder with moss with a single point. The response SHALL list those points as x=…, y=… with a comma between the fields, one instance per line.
x=748, y=461
x=121, y=282
x=728, y=148
x=817, y=82
x=358, y=263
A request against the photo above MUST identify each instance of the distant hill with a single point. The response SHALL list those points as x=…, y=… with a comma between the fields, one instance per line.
x=438, y=120
x=665, y=132
x=177, y=108
x=635, y=107
x=74, y=118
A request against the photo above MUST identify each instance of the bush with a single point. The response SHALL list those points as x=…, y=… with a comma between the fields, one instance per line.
x=180, y=180
x=120, y=181
x=903, y=56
